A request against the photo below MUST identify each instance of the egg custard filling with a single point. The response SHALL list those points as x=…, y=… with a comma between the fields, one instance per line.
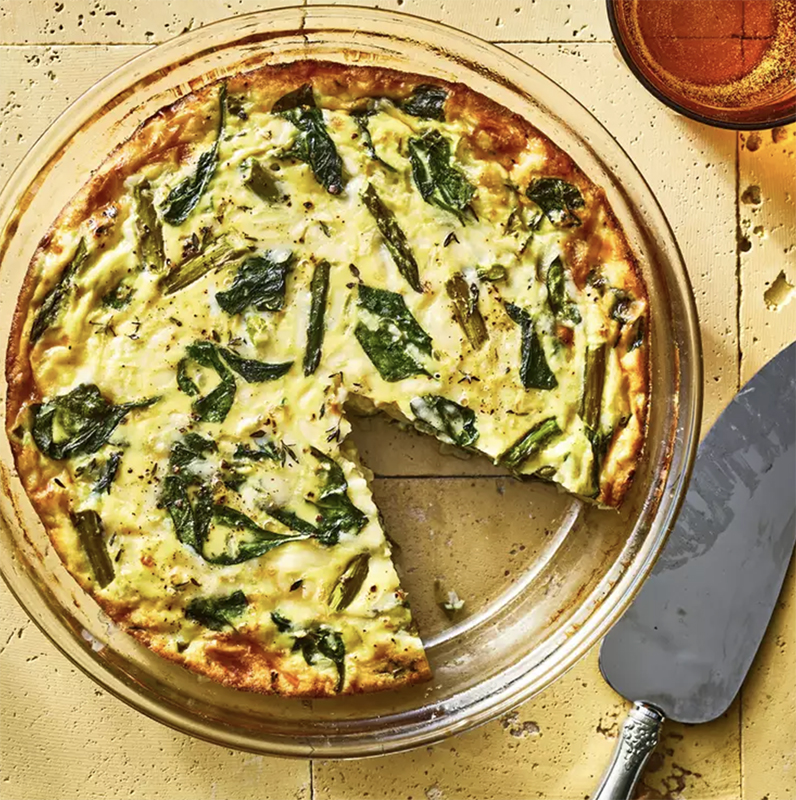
x=259, y=254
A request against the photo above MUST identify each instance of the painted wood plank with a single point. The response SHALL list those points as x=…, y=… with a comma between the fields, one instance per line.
x=145, y=22
x=767, y=314
x=63, y=737
x=767, y=243
x=511, y=20
x=106, y=22
x=38, y=83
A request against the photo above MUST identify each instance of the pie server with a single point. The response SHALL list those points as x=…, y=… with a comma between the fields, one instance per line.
x=683, y=648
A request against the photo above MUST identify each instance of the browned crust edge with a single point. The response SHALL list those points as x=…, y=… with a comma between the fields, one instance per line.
x=168, y=136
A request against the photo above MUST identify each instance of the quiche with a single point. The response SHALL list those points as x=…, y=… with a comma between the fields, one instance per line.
x=263, y=258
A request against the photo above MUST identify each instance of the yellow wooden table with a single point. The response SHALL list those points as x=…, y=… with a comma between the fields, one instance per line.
x=61, y=737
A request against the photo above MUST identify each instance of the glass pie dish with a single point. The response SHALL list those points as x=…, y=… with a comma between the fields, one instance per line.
x=543, y=574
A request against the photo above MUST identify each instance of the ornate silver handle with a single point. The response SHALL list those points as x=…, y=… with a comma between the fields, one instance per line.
x=637, y=740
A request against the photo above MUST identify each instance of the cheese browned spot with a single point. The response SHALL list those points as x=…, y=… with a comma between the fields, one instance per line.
x=255, y=256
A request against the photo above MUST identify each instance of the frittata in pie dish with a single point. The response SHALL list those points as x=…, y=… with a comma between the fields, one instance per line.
x=257, y=259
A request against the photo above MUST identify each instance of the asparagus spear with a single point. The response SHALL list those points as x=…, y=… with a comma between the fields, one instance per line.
x=218, y=253
x=319, y=288
x=92, y=539
x=394, y=237
x=531, y=442
x=149, y=232
x=350, y=581
x=465, y=307
x=593, y=383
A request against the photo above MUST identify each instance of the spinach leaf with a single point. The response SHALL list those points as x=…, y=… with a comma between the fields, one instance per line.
x=107, y=472
x=440, y=182
x=86, y=418
x=349, y=582
x=313, y=145
x=621, y=307
x=191, y=447
x=560, y=304
x=184, y=197
x=361, y=119
x=530, y=443
x=233, y=476
x=215, y=406
x=636, y=338
x=337, y=513
x=397, y=334
x=119, y=297
x=523, y=220
x=267, y=450
x=192, y=517
x=597, y=280
x=101, y=471
x=387, y=353
x=217, y=612
x=534, y=370
x=394, y=237
x=392, y=306
x=319, y=290
x=237, y=550
x=215, y=255
x=254, y=371
x=448, y=421
x=557, y=199
x=292, y=521
x=282, y=622
x=175, y=499
x=427, y=102
x=325, y=642
x=54, y=299
x=298, y=98
x=191, y=523
x=260, y=181
x=183, y=381
x=91, y=534
x=261, y=281
x=149, y=233
x=236, y=107
x=466, y=311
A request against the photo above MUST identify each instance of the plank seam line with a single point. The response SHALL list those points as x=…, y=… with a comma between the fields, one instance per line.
x=153, y=43
x=738, y=241
x=21, y=45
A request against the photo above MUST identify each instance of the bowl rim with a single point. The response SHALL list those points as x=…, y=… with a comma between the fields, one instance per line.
x=627, y=57
x=489, y=707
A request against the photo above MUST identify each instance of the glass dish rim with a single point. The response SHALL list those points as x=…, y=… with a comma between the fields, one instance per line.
x=491, y=706
x=675, y=106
